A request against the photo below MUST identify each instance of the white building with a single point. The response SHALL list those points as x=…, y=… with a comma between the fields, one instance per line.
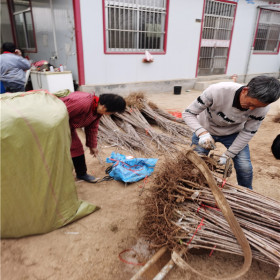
x=103, y=42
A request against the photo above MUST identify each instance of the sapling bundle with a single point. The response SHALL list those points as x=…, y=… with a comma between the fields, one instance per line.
x=112, y=133
x=162, y=141
x=170, y=126
x=157, y=116
x=181, y=212
x=153, y=132
x=165, y=114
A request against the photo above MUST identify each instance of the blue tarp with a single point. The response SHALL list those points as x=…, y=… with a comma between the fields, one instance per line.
x=130, y=170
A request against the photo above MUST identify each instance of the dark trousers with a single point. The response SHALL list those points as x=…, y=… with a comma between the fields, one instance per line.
x=13, y=87
x=242, y=161
x=80, y=165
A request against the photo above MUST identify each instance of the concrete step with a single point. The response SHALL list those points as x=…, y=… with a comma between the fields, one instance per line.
x=202, y=85
x=212, y=77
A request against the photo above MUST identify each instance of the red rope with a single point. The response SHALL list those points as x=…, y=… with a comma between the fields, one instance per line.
x=212, y=251
x=125, y=261
x=197, y=228
x=145, y=181
x=223, y=184
x=207, y=206
x=201, y=222
x=123, y=163
x=201, y=205
x=204, y=207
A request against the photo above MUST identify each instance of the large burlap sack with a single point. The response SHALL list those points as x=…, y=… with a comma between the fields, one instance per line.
x=38, y=192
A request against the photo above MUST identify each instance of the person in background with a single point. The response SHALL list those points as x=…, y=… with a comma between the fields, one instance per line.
x=231, y=114
x=12, y=68
x=275, y=147
x=85, y=111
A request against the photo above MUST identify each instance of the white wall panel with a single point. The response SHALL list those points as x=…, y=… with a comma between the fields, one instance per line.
x=178, y=63
x=243, y=36
x=264, y=64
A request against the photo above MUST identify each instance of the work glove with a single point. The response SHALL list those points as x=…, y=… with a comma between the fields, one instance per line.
x=223, y=159
x=206, y=141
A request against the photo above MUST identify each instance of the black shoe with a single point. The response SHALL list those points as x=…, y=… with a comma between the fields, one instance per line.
x=88, y=178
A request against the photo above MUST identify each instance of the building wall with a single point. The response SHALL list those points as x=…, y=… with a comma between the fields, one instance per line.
x=243, y=34
x=178, y=63
x=242, y=61
x=63, y=51
x=180, y=60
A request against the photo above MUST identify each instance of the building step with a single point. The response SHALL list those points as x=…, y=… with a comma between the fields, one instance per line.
x=202, y=85
x=212, y=77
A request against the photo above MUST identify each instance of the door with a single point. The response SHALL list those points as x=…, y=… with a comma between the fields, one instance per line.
x=218, y=20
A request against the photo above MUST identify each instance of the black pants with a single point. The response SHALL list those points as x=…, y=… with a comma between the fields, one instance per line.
x=13, y=87
x=80, y=165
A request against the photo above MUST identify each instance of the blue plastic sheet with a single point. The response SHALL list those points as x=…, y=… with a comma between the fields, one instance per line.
x=130, y=170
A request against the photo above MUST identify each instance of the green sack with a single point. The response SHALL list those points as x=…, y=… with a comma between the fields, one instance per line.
x=38, y=192
x=62, y=93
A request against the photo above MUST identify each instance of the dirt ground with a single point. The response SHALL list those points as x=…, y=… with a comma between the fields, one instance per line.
x=90, y=247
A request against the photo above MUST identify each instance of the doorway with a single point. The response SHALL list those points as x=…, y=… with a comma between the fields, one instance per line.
x=218, y=20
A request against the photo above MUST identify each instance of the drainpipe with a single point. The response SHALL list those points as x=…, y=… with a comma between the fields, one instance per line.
x=79, y=41
x=252, y=46
x=55, y=55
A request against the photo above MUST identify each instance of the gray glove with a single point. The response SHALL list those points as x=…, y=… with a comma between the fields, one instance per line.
x=206, y=141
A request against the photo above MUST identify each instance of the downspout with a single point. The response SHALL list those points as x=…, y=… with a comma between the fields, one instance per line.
x=252, y=46
x=55, y=55
x=79, y=41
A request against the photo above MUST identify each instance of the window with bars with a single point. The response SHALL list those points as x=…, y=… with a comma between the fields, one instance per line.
x=218, y=20
x=268, y=32
x=23, y=24
x=135, y=25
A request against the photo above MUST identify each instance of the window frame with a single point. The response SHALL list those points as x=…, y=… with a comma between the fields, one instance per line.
x=12, y=14
x=256, y=31
x=105, y=42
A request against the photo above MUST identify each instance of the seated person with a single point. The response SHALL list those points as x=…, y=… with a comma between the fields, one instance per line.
x=12, y=68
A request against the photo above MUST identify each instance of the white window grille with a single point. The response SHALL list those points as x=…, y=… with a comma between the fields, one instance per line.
x=216, y=36
x=218, y=20
x=268, y=32
x=135, y=25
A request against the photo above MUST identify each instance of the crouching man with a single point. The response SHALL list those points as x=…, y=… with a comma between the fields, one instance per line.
x=231, y=114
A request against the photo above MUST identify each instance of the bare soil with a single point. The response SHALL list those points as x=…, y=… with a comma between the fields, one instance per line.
x=90, y=247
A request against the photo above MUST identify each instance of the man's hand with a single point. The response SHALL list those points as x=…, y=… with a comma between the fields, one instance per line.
x=93, y=151
x=206, y=141
x=223, y=159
